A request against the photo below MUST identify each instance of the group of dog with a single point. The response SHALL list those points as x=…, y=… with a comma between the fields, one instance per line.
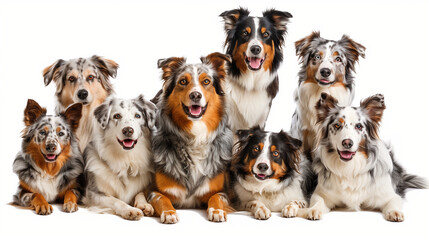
x=200, y=143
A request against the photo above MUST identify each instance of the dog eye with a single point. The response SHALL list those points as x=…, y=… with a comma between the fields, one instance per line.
x=317, y=57
x=338, y=59
x=337, y=126
x=137, y=115
x=276, y=154
x=60, y=134
x=91, y=77
x=117, y=116
x=206, y=82
x=245, y=34
x=265, y=34
x=359, y=126
x=183, y=82
x=72, y=79
x=256, y=149
x=43, y=133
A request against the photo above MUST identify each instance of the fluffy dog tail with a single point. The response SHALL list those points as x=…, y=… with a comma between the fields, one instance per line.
x=404, y=181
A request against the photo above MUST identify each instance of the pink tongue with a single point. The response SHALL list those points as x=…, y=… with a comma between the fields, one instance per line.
x=195, y=110
x=128, y=142
x=324, y=81
x=346, y=154
x=255, y=62
x=261, y=175
x=50, y=156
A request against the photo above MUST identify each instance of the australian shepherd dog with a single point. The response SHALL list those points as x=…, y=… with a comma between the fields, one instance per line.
x=327, y=66
x=193, y=143
x=82, y=80
x=50, y=165
x=356, y=170
x=255, y=45
x=265, y=174
x=119, y=159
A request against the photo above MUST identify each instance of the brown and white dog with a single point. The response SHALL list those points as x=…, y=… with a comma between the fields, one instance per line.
x=50, y=164
x=327, y=67
x=82, y=80
x=193, y=143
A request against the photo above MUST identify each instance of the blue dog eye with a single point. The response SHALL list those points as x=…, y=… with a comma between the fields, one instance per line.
x=137, y=115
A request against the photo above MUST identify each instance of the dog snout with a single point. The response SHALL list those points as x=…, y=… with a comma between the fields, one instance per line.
x=51, y=147
x=82, y=94
x=128, y=131
x=255, y=49
x=263, y=167
x=347, y=143
x=195, y=96
x=325, y=72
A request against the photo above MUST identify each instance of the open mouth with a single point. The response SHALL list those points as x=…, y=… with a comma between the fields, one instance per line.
x=346, y=155
x=50, y=157
x=127, y=144
x=324, y=81
x=254, y=63
x=261, y=176
x=194, y=111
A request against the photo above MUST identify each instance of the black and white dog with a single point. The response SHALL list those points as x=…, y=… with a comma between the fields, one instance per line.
x=355, y=168
x=327, y=67
x=118, y=160
x=255, y=45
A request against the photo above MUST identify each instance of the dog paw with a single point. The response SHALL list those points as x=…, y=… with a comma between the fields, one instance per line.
x=314, y=214
x=146, y=208
x=394, y=216
x=216, y=215
x=290, y=211
x=43, y=209
x=70, y=207
x=262, y=213
x=169, y=217
x=131, y=213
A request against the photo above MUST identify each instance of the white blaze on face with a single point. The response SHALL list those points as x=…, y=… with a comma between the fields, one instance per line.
x=197, y=107
x=327, y=62
x=255, y=60
x=350, y=118
x=264, y=157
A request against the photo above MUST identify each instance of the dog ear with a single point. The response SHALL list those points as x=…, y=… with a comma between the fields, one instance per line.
x=373, y=107
x=218, y=62
x=169, y=66
x=102, y=112
x=72, y=115
x=148, y=110
x=303, y=46
x=279, y=19
x=354, y=50
x=54, y=72
x=108, y=68
x=324, y=106
x=231, y=17
x=33, y=111
x=293, y=150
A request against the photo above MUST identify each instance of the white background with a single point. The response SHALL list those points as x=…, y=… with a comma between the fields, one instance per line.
x=35, y=34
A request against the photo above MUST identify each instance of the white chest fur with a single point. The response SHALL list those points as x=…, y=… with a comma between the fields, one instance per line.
x=46, y=185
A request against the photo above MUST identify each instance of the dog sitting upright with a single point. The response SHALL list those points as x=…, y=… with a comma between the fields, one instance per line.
x=355, y=168
x=49, y=164
x=255, y=45
x=327, y=66
x=118, y=160
x=82, y=80
x=193, y=143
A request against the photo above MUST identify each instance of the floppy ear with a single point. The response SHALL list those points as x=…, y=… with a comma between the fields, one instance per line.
x=33, y=111
x=231, y=17
x=218, y=62
x=53, y=72
x=102, y=112
x=354, y=50
x=279, y=19
x=148, y=110
x=72, y=115
x=293, y=150
x=108, y=68
x=303, y=46
x=374, y=107
x=169, y=66
x=325, y=104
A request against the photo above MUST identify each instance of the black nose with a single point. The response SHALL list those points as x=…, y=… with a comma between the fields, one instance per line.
x=51, y=147
x=325, y=72
x=195, y=96
x=128, y=131
x=82, y=94
x=347, y=143
x=262, y=167
x=255, y=49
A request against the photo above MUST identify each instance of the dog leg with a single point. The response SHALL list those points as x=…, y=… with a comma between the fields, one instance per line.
x=217, y=205
x=291, y=209
x=141, y=203
x=70, y=202
x=259, y=210
x=392, y=210
x=40, y=205
x=163, y=208
x=318, y=207
x=120, y=208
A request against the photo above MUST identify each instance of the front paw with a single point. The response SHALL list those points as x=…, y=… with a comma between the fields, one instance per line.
x=394, y=216
x=314, y=214
x=41, y=206
x=131, y=213
x=169, y=217
x=70, y=207
x=290, y=210
x=146, y=208
x=262, y=213
x=216, y=215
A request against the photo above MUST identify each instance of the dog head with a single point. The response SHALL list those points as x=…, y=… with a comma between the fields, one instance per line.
x=348, y=130
x=327, y=62
x=82, y=80
x=255, y=43
x=193, y=92
x=266, y=155
x=125, y=122
x=49, y=138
